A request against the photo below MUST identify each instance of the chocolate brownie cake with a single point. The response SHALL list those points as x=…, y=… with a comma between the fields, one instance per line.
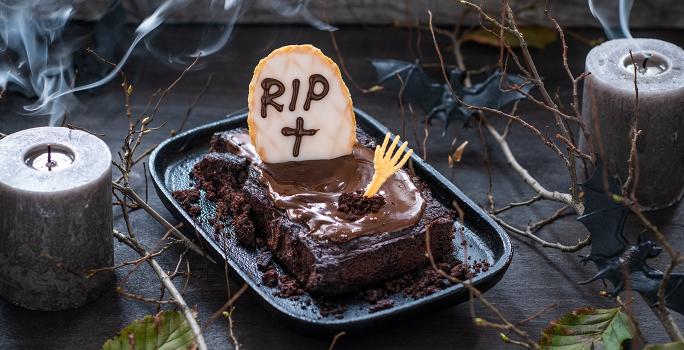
x=335, y=209
x=294, y=208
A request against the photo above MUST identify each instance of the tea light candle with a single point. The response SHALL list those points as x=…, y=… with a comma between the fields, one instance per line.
x=608, y=103
x=56, y=217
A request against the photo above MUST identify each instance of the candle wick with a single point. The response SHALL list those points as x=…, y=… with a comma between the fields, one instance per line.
x=50, y=163
x=647, y=56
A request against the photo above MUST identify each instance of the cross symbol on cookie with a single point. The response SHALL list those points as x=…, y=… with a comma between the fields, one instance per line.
x=298, y=133
x=298, y=91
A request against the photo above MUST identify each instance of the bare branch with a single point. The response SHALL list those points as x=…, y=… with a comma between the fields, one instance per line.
x=527, y=233
x=130, y=193
x=517, y=204
x=168, y=283
x=556, y=196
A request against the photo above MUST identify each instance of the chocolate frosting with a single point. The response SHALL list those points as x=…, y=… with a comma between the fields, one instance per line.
x=309, y=190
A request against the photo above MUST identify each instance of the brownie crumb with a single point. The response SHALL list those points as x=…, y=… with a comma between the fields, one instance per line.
x=219, y=143
x=244, y=229
x=217, y=172
x=288, y=288
x=330, y=308
x=460, y=271
x=420, y=283
x=381, y=304
x=187, y=199
x=270, y=278
x=194, y=210
x=220, y=176
x=374, y=295
x=356, y=204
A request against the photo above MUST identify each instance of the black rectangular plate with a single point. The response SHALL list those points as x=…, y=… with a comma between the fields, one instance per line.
x=170, y=166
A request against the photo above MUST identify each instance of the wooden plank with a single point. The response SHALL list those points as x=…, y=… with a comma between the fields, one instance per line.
x=571, y=13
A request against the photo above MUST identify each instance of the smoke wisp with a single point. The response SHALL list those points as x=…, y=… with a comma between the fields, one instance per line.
x=38, y=62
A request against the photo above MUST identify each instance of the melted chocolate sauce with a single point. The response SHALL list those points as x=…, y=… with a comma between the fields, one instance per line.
x=309, y=190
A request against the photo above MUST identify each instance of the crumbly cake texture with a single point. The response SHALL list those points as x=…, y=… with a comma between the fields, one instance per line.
x=297, y=97
x=329, y=268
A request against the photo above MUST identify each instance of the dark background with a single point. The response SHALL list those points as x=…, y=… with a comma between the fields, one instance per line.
x=537, y=277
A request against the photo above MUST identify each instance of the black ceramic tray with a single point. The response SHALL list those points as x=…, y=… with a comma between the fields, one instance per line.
x=170, y=166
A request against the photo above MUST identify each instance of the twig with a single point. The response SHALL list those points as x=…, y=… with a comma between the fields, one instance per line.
x=74, y=127
x=340, y=59
x=505, y=325
x=527, y=178
x=170, y=87
x=168, y=283
x=225, y=306
x=130, y=193
x=628, y=310
x=528, y=234
x=146, y=187
x=541, y=223
x=488, y=165
x=335, y=339
x=128, y=263
x=131, y=296
x=661, y=310
x=194, y=103
x=537, y=314
x=517, y=204
x=632, y=166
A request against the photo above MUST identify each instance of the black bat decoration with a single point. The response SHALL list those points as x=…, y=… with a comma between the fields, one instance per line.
x=437, y=100
x=630, y=269
x=603, y=217
x=618, y=262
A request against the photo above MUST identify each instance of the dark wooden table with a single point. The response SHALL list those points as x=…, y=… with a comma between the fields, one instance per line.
x=537, y=277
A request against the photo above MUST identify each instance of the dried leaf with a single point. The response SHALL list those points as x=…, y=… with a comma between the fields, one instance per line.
x=375, y=88
x=588, y=328
x=535, y=36
x=456, y=156
x=166, y=330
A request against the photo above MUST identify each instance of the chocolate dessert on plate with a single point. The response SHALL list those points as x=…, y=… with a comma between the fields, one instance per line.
x=308, y=207
x=337, y=210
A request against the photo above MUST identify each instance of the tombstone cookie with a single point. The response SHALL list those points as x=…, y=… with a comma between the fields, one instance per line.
x=299, y=107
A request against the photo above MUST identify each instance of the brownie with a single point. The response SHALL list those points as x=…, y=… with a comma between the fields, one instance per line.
x=324, y=266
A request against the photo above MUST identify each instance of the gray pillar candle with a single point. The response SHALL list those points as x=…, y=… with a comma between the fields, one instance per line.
x=608, y=109
x=55, y=218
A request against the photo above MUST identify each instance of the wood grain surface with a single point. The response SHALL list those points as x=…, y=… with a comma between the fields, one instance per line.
x=572, y=13
x=537, y=277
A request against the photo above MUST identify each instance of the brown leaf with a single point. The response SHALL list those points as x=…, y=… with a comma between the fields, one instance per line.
x=456, y=156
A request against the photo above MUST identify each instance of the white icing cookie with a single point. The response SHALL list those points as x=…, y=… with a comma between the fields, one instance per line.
x=299, y=107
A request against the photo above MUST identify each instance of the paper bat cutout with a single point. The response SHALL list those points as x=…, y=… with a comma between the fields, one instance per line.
x=618, y=262
x=437, y=100
x=603, y=217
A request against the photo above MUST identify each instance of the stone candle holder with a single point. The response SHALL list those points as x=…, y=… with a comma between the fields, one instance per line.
x=55, y=218
x=608, y=109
